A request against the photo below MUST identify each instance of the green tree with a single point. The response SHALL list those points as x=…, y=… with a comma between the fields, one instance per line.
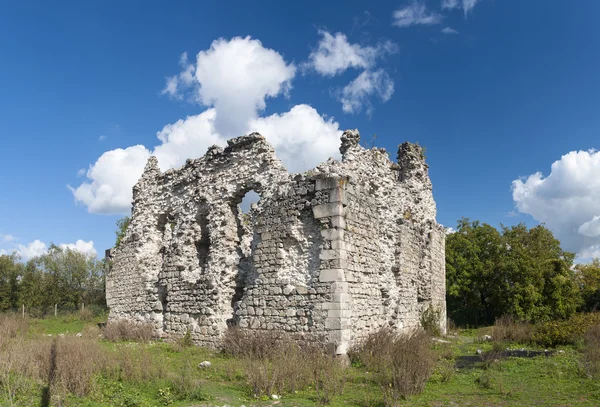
x=588, y=280
x=471, y=256
x=516, y=271
x=122, y=225
x=31, y=287
x=70, y=278
x=10, y=273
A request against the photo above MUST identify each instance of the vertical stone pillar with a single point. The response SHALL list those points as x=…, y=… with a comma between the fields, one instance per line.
x=334, y=257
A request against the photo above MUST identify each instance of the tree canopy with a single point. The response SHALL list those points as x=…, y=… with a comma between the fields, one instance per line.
x=514, y=271
x=61, y=276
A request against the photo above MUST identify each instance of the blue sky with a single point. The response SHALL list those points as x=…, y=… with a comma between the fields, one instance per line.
x=497, y=91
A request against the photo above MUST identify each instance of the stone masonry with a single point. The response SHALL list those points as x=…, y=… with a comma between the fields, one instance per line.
x=328, y=255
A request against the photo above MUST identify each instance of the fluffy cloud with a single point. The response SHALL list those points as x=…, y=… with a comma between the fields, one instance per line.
x=177, y=85
x=38, y=248
x=81, y=246
x=235, y=77
x=356, y=94
x=415, y=14
x=302, y=138
x=466, y=5
x=111, y=178
x=590, y=228
x=449, y=30
x=33, y=249
x=567, y=200
x=334, y=54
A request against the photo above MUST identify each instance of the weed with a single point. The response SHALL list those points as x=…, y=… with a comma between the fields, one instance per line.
x=403, y=362
x=125, y=330
x=506, y=329
x=591, y=351
x=430, y=321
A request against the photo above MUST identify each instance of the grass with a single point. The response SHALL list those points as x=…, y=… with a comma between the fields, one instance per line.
x=133, y=374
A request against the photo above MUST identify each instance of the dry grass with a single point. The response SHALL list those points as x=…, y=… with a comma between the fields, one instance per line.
x=66, y=365
x=125, y=330
x=12, y=325
x=506, y=329
x=86, y=315
x=244, y=343
x=275, y=364
x=403, y=362
x=591, y=351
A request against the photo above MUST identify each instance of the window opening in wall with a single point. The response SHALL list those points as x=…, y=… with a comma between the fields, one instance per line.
x=241, y=207
x=250, y=198
x=203, y=243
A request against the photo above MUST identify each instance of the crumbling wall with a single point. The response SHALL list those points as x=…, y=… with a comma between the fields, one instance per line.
x=328, y=255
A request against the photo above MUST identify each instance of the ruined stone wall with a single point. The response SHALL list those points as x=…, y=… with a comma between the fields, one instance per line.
x=328, y=255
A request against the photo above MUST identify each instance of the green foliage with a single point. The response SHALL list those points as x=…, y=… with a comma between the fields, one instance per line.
x=186, y=341
x=430, y=321
x=588, y=280
x=520, y=272
x=10, y=273
x=565, y=332
x=61, y=276
x=122, y=225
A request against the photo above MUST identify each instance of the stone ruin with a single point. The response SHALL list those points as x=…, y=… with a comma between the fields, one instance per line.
x=328, y=255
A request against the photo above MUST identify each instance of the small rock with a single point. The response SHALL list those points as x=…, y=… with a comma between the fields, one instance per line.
x=61, y=335
x=274, y=396
x=204, y=364
x=561, y=351
x=79, y=335
x=479, y=351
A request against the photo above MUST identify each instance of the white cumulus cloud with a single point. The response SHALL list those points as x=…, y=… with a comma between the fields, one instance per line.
x=465, y=5
x=81, y=246
x=356, y=94
x=567, y=200
x=415, y=13
x=110, y=179
x=236, y=77
x=38, y=248
x=177, y=85
x=590, y=228
x=335, y=54
x=33, y=249
x=302, y=138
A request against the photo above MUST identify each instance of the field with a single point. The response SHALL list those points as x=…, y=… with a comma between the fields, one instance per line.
x=64, y=369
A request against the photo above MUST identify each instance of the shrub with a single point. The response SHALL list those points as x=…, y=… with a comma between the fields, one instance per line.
x=430, y=321
x=275, y=364
x=86, y=315
x=252, y=344
x=403, y=362
x=506, y=329
x=329, y=375
x=591, y=351
x=125, y=330
x=410, y=364
x=565, y=332
x=373, y=351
